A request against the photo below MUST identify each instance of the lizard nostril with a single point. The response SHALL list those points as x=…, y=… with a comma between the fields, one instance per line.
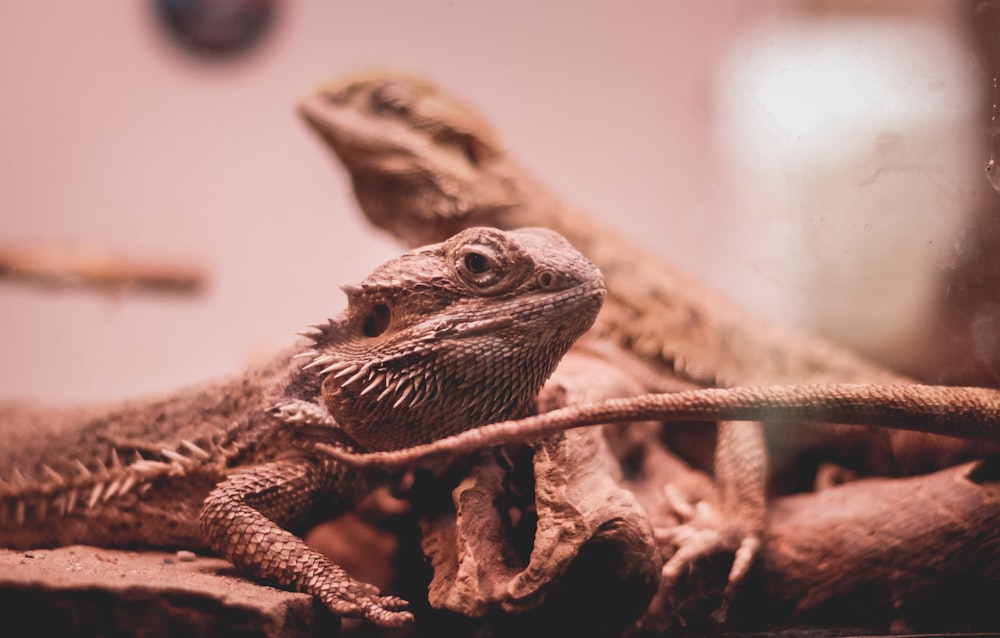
x=471, y=152
x=341, y=96
x=546, y=280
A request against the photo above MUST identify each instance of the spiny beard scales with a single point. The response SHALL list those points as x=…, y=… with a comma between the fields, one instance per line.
x=416, y=399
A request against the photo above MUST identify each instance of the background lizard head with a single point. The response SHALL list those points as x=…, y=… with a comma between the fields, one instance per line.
x=408, y=146
x=454, y=335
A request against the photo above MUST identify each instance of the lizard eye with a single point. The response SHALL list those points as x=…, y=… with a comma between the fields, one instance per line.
x=479, y=266
x=487, y=261
x=476, y=264
x=377, y=320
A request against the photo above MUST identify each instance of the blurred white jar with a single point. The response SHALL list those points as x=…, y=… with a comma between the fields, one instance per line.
x=849, y=168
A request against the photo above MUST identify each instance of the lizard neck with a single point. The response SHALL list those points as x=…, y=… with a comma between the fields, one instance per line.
x=386, y=405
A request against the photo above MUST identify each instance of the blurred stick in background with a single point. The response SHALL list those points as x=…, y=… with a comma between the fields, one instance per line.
x=65, y=265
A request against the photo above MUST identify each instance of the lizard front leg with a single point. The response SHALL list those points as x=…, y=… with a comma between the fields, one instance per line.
x=244, y=520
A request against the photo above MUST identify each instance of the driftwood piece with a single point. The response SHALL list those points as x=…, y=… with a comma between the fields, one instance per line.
x=912, y=554
x=568, y=543
x=918, y=553
x=488, y=563
x=921, y=551
x=62, y=265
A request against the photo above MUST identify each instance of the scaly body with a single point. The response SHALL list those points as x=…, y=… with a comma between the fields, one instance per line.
x=443, y=338
x=133, y=474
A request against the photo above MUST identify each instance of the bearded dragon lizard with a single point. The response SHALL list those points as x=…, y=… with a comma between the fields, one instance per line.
x=443, y=338
x=424, y=165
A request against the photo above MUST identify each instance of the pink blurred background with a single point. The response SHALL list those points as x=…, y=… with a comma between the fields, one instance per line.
x=645, y=113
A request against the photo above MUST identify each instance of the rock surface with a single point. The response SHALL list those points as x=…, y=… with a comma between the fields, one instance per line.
x=86, y=591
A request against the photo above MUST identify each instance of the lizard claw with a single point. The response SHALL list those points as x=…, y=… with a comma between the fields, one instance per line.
x=694, y=544
x=382, y=611
x=730, y=522
x=386, y=611
x=705, y=532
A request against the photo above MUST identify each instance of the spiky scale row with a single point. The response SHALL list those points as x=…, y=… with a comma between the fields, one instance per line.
x=302, y=413
x=107, y=481
x=405, y=389
x=362, y=373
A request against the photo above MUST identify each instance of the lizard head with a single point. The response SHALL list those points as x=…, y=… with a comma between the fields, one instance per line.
x=421, y=162
x=454, y=335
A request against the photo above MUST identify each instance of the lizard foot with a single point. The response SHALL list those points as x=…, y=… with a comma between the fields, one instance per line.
x=695, y=544
x=242, y=518
x=359, y=600
x=706, y=532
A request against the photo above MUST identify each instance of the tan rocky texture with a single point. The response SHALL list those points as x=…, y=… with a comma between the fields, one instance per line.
x=83, y=591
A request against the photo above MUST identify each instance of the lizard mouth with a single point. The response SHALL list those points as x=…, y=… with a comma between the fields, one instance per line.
x=383, y=145
x=577, y=299
x=353, y=136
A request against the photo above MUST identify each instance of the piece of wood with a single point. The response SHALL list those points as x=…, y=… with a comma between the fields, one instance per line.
x=64, y=265
x=918, y=554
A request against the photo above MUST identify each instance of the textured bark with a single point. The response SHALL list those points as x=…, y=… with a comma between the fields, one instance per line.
x=924, y=551
x=918, y=554
x=558, y=539
x=588, y=562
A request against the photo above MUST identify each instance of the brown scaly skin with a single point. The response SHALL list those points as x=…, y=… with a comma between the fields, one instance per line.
x=424, y=166
x=443, y=338
x=135, y=474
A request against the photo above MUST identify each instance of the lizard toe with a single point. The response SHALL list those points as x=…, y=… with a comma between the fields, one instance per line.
x=392, y=603
x=366, y=603
x=685, y=546
x=382, y=611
